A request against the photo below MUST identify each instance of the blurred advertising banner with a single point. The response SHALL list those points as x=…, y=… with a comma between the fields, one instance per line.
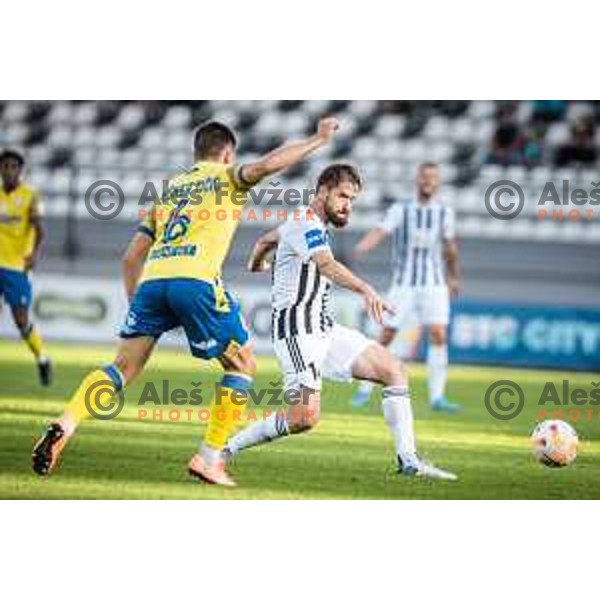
x=82, y=309
x=527, y=336
x=92, y=310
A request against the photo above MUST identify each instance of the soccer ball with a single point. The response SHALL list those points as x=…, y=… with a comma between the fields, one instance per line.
x=554, y=443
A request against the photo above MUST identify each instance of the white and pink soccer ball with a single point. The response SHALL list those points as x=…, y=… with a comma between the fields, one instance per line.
x=554, y=443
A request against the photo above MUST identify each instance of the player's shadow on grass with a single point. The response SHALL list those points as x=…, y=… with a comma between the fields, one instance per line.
x=311, y=467
x=123, y=463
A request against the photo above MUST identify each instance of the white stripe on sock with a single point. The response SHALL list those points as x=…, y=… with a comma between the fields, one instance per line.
x=259, y=432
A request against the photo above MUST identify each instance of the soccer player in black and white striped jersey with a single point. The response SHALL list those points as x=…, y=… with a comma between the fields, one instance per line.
x=308, y=342
x=425, y=275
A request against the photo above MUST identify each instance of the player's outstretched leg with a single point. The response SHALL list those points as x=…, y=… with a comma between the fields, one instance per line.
x=208, y=464
x=297, y=419
x=90, y=400
x=378, y=365
x=50, y=446
x=437, y=370
x=363, y=393
x=31, y=336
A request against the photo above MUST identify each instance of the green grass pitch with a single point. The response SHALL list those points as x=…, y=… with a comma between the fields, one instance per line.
x=349, y=455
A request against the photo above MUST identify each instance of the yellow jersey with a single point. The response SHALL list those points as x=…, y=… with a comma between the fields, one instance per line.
x=16, y=233
x=193, y=224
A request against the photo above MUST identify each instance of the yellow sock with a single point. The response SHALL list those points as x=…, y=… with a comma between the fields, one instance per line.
x=93, y=394
x=34, y=340
x=227, y=409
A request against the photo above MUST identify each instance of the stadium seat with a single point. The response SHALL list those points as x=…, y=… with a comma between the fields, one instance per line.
x=130, y=117
x=107, y=157
x=178, y=117
x=392, y=171
x=37, y=157
x=67, y=143
x=14, y=112
x=363, y=108
x=524, y=112
x=448, y=172
x=365, y=149
x=482, y=109
x=85, y=113
x=540, y=175
x=463, y=130
x=314, y=107
x=60, y=135
x=578, y=110
x=516, y=173
x=490, y=173
x=389, y=126
x=60, y=181
x=557, y=134
x=60, y=113
x=15, y=134
x=436, y=128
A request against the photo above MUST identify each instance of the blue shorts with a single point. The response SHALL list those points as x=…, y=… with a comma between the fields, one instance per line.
x=209, y=315
x=15, y=287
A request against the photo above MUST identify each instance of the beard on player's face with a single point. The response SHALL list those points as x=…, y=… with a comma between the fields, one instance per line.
x=427, y=190
x=338, y=214
x=428, y=184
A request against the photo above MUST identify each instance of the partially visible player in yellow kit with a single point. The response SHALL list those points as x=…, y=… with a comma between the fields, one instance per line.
x=20, y=237
x=172, y=273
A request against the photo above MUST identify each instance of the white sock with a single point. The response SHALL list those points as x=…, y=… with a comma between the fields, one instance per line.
x=259, y=432
x=210, y=455
x=366, y=387
x=397, y=410
x=437, y=371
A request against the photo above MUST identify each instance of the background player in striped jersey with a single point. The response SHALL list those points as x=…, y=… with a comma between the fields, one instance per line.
x=309, y=343
x=424, y=239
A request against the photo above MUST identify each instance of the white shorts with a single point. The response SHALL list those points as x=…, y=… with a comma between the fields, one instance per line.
x=418, y=306
x=305, y=359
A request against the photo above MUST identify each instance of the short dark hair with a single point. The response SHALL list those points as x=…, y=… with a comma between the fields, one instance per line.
x=14, y=155
x=428, y=165
x=333, y=175
x=211, y=138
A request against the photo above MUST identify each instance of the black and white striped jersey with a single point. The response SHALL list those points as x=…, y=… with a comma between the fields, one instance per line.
x=302, y=299
x=419, y=230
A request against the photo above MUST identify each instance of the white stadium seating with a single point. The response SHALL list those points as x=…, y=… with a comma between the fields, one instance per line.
x=68, y=144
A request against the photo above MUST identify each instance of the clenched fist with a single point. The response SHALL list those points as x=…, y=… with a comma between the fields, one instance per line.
x=327, y=127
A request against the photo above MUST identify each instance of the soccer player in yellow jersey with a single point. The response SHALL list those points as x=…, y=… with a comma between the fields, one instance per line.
x=172, y=273
x=20, y=237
